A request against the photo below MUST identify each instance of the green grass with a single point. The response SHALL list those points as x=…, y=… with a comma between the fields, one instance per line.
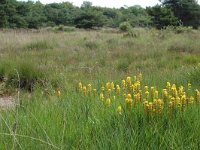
x=52, y=61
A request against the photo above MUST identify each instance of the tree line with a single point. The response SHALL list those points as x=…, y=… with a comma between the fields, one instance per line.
x=18, y=14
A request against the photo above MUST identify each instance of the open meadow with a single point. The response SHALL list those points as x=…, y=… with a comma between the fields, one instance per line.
x=100, y=89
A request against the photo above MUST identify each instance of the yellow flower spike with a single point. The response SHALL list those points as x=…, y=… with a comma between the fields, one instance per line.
x=108, y=102
x=178, y=100
x=140, y=77
x=89, y=87
x=80, y=86
x=150, y=107
x=112, y=86
x=164, y=94
x=109, y=92
x=84, y=90
x=95, y=92
x=156, y=94
x=189, y=86
x=128, y=81
x=123, y=84
x=171, y=105
x=108, y=85
x=119, y=109
x=102, y=89
x=114, y=98
x=129, y=96
x=152, y=92
x=191, y=100
x=160, y=105
x=146, y=95
x=102, y=97
x=168, y=86
x=128, y=103
x=58, y=93
x=146, y=88
x=118, y=90
x=181, y=90
x=124, y=95
x=197, y=95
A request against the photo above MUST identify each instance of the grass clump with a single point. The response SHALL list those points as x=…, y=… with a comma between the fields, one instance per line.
x=22, y=74
x=39, y=45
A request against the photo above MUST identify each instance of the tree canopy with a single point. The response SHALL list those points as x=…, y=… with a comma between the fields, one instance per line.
x=18, y=14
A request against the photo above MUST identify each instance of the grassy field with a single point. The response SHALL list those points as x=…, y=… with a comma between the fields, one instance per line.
x=50, y=73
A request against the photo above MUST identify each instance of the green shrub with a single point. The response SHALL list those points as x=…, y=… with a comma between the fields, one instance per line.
x=125, y=26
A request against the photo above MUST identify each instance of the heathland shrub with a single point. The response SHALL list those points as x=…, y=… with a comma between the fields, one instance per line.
x=125, y=26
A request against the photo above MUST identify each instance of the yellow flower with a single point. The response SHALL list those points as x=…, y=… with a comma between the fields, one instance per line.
x=123, y=84
x=102, y=89
x=114, y=98
x=101, y=97
x=164, y=94
x=140, y=77
x=128, y=103
x=168, y=86
x=118, y=90
x=80, y=86
x=84, y=90
x=119, y=109
x=146, y=88
x=112, y=86
x=156, y=95
x=128, y=81
x=58, y=93
x=108, y=85
x=108, y=102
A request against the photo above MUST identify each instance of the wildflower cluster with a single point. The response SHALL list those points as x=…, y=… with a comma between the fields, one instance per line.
x=131, y=95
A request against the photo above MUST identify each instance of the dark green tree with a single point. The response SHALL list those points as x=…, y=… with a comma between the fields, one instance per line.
x=162, y=17
x=188, y=11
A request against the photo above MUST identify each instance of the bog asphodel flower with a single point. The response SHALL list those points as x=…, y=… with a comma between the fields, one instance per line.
x=84, y=90
x=58, y=93
x=128, y=102
x=164, y=94
x=102, y=97
x=168, y=86
x=80, y=86
x=155, y=95
x=102, y=89
x=197, y=95
x=118, y=90
x=140, y=77
x=108, y=102
x=89, y=89
x=108, y=85
x=119, y=109
x=123, y=84
x=112, y=86
x=146, y=95
x=146, y=88
x=128, y=81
